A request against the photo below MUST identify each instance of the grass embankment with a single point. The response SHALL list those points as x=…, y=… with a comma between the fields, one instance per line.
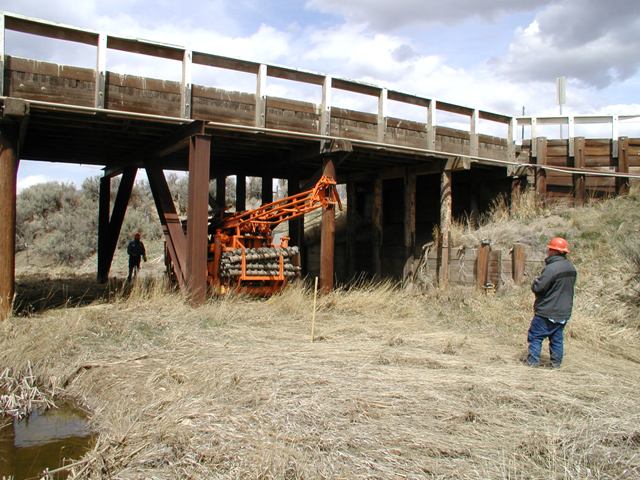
x=396, y=385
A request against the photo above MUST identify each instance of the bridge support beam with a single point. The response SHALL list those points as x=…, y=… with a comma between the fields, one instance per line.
x=377, y=226
x=267, y=190
x=197, y=218
x=171, y=226
x=109, y=226
x=221, y=192
x=409, y=215
x=8, y=183
x=445, y=228
x=327, y=235
x=241, y=193
x=296, y=226
x=352, y=228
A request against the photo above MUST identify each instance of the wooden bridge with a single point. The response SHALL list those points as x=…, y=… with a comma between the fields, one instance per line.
x=402, y=176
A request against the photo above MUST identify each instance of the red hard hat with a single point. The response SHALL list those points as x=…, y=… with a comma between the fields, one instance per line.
x=558, y=244
x=137, y=235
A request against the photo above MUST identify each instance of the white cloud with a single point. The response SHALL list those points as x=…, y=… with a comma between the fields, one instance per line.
x=386, y=15
x=591, y=41
x=31, y=180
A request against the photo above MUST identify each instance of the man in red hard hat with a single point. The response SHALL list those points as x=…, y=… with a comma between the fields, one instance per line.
x=553, y=304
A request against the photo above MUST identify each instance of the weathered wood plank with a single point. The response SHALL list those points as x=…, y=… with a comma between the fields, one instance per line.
x=591, y=161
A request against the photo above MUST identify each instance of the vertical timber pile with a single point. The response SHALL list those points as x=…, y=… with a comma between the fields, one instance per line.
x=579, y=185
x=241, y=193
x=622, y=184
x=327, y=235
x=8, y=180
x=409, y=215
x=267, y=190
x=352, y=228
x=376, y=224
x=518, y=263
x=197, y=218
x=104, y=203
x=541, y=173
x=221, y=193
x=296, y=226
x=445, y=227
x=482, y=264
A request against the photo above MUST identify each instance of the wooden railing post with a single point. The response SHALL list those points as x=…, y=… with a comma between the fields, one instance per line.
x=101, y=71
x=382, y=114
x=261, y=97
x=185, y=91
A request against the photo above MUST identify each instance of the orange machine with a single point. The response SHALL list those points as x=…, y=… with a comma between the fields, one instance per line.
x=242, y=255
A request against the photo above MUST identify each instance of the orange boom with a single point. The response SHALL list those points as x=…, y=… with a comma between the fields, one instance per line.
x=242, y=255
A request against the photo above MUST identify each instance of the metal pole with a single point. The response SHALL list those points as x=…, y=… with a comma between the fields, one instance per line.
x=327, y=236
x=8, y=183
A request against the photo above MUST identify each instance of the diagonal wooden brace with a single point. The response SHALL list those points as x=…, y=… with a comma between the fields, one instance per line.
x=109, y=226
x=171, y=226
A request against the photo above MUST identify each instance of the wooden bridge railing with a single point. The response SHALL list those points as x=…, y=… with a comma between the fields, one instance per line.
x=104, y=42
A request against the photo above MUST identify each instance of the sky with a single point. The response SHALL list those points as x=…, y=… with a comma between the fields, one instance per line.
x=496, y=55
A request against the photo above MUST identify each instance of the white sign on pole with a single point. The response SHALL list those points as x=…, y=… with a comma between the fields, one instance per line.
x=561, y=94
x=561, y=89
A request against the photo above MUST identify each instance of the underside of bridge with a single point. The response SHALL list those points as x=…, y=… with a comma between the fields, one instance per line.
x=393, y=197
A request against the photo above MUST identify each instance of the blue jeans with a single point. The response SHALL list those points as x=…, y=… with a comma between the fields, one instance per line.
x=540, y=329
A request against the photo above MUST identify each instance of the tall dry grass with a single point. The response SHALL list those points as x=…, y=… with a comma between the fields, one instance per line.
x=395, y=385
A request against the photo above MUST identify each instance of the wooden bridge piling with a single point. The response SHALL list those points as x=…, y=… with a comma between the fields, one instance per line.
x=197, y=218
x=327, y=235
x=8, y=184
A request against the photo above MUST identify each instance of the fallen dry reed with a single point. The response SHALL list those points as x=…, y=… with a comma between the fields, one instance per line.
x=20, y=395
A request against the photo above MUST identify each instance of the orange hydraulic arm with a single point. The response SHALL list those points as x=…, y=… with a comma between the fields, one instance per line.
x=265, y=218
x=239, y=259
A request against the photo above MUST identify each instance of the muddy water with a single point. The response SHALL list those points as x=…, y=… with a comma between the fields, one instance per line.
x=47, y=440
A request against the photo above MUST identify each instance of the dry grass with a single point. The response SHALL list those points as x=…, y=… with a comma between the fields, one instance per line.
x=396, y=385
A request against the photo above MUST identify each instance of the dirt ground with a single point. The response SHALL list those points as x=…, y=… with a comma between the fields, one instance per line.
x=395, y=385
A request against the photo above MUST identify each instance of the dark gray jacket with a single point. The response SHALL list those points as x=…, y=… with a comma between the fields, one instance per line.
x=554, y=289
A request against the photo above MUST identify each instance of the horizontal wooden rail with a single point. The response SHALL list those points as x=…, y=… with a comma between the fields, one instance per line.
x=103, y=41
